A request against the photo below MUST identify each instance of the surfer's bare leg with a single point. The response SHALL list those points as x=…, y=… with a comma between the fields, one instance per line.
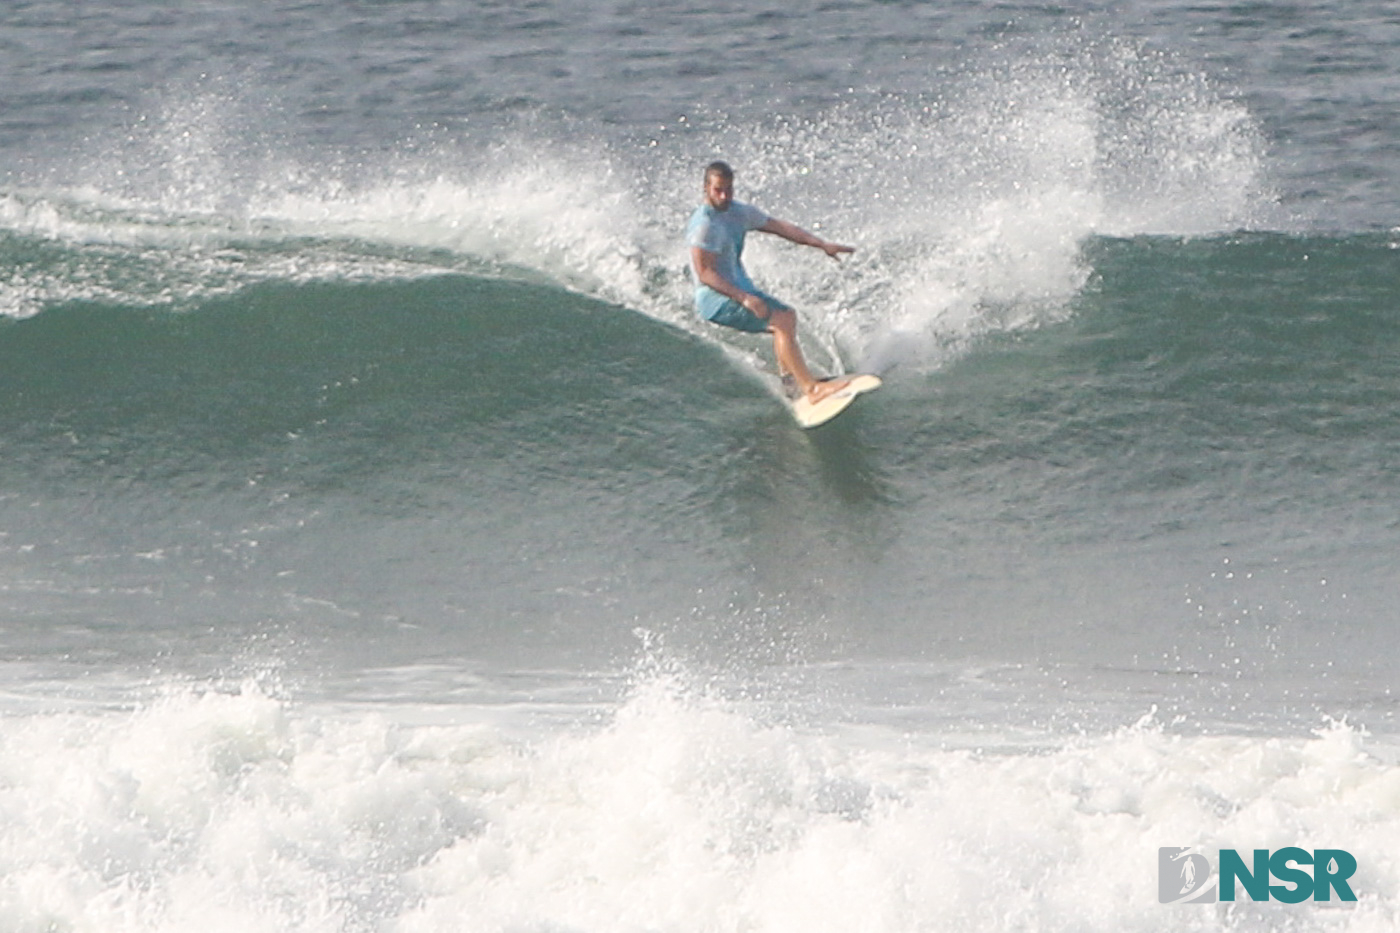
x=782, y=324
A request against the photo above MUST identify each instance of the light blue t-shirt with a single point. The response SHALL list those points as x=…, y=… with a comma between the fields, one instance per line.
x=722, y=233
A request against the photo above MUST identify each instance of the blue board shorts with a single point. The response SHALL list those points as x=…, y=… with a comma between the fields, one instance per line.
x=732, y=314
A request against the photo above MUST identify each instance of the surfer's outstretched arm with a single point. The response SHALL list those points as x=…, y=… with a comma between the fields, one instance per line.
x=791, y=231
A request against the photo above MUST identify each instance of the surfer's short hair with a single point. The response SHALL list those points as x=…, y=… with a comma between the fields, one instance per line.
x=719, y=168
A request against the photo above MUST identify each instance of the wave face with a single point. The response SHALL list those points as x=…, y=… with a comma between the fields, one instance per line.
x=487, y=459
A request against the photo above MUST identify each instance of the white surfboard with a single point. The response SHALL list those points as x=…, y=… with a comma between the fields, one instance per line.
x=810, y=415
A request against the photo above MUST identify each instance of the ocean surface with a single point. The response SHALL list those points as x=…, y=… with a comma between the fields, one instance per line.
x=385, y=547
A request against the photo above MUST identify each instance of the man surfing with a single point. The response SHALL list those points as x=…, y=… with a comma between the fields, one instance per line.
x=725, y=295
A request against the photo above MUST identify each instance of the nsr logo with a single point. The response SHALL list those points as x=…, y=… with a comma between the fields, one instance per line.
x=1184, y=876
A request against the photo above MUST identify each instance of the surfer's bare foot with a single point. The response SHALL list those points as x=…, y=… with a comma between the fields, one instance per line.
x=825, y=387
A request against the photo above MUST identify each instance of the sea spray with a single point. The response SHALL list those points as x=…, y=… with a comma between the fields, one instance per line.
x=968, y=202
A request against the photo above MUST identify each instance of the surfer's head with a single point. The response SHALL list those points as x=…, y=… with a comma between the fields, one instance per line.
x=719, y=185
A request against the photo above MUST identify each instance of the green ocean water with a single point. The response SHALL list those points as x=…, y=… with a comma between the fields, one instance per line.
x=494, y=465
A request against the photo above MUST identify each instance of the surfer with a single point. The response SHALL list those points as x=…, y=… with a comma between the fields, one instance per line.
x=725, y=295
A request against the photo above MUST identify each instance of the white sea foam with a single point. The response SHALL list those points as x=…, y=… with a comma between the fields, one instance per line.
x=530, y=206
x=214, y=810
x=973, y=207
x=84, y=245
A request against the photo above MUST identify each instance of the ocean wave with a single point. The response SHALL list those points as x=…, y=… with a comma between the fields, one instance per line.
x=969, y=203
x=232, y=808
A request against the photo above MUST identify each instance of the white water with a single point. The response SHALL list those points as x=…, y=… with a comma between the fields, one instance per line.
x=229, y=809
